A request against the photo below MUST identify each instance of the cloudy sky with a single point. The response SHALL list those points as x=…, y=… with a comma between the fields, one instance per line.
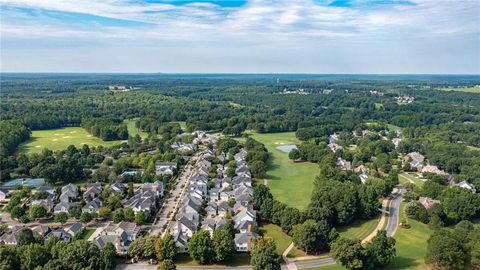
x=250, y=36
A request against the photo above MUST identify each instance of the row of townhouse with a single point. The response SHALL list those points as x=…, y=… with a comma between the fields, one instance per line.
x=218, y=196
x=66, y=233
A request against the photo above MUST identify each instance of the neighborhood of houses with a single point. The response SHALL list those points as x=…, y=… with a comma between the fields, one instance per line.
x=210, y=201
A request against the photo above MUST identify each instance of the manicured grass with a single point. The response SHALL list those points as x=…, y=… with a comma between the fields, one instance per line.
x=405, y=177
x=290, y=182
x=61, y=138
x=463, y=89
x=133, y=130
x=239, y=259
x=282, y=240
x=411, y=244
x=183, y=125
x=87, y=233
x=359, y=229
x=393, y=127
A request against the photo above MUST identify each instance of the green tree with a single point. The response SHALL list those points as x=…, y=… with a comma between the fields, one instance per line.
x=108, y=255
x=140, y=218
x=9, y=258
x=38, y=211
x=444, y=251
x=118, y=216
x=104, y=212
x=25, y=237
x=311, y=236
x=223, y=245
x=349, y=253
x=129, y=214
x=165, y=247
x=167, y=265
x=200, y=247
x=17, y=212
x=258, y=168
x=80, y=254
x=86, y=217
x=61, y=217
x=33, y=255
x=264, y=254
x=381, y=250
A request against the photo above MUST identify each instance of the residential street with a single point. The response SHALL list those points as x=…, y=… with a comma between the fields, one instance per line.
x=394, y=211
x=171, y=204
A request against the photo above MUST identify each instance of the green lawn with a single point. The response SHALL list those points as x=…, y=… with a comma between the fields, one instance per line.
x=393, y=127
x=87, y=233
x=463, y=89
x=61, y=138
x=290, y=182
x=133, y=131
x=183, y=125
x=282, y=240
x=239, y=259
x=359, y=229
x=405, y=177
x=411, y=244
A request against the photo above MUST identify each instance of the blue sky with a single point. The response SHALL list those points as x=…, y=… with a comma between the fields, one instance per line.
x=246, y=36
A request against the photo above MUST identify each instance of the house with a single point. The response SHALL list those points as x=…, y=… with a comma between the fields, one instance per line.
x=241, y=155
x=334, y=147
x=244, y=241
x=247, y=214
x=62, y=207
x=183, y=147
x=434, y=170
x=92, y=192
x=165, y=168
x=427, y=202
x=185, y=226
x=41, y=230
x=11, y=238
x=214, y=194
x=466, y=185
x=48, y=203
x=209, y=226
x=121, y=235
x=156, y=187
x=363, y=177
x=4, y=194
x=74, y=228
x=181, y=241
x=417, y=160
x=117, y=188
x=92, y=206
x=69, y=192
x=343, y=164
x=46, y=188
x=143, y=201
x=60, y=234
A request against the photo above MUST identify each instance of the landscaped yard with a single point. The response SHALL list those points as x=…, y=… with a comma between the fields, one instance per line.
x=411, y=244
x=87, y=233
x=359, y=229
x=409, y=177
x=239, y=259
x=282, y=240
x=290, y=182
x=61, y=138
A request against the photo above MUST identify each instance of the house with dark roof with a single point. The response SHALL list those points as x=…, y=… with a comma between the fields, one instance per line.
x=93, y=206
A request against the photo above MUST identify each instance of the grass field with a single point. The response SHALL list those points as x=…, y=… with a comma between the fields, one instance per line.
x=61, y=138
x=133, y=131
x=463, y=89
x=328, y=267
x=411, y=244
x=406, y=177
x=290, y=182
x=359, y=229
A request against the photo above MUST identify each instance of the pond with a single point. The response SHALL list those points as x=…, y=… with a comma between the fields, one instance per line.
x=28, y=182
x=287, y=148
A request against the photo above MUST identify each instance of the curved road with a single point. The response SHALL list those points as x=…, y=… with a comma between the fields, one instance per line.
x=391, y=229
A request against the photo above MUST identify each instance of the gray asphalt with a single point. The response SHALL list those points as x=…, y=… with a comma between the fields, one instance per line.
x=393, y=213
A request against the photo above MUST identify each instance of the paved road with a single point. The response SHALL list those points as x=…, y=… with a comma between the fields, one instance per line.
x=394, y=211
x=174, y=197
